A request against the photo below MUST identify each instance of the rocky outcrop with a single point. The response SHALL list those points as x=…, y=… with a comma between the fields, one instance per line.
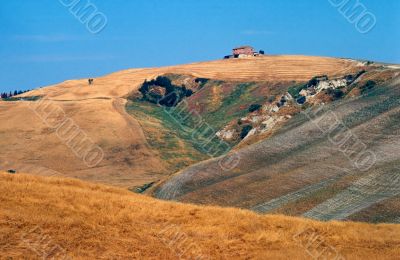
x=261, y=121
x=317, y=85
x=273, y=114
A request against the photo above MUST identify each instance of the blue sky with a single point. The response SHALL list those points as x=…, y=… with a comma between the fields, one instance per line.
x=42, y=43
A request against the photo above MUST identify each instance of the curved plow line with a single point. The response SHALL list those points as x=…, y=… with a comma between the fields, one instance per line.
x=367, y=191
x=294, y=196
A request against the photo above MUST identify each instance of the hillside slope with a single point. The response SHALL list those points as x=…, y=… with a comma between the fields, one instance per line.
x=60, y=218
x=334, y=161
x=98, y=112
x=268, y=68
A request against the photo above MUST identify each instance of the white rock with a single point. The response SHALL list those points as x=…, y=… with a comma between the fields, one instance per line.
x=304, y=93
x=255, y=119
x=270, y=122
x=226, y=134
x=337, y=83
x=288, y=97
x=275, y=109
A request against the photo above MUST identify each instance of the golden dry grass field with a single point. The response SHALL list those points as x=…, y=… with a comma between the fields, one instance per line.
x=46, y=217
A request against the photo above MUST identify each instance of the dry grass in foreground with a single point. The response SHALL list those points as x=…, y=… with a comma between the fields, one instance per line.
x=52, y=217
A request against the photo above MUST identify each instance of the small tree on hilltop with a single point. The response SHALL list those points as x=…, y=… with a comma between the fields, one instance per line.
x=144, y=88
x=163, y=81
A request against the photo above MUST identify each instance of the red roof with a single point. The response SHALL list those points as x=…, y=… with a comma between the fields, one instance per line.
x=243, y=47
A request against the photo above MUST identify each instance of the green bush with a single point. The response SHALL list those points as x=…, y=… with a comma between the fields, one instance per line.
x=163, y=82
x=173, y=94
x=294, y=91
x=245, y=131
x=370, y=84
x=315, y=80
x=202, y=81
x=254, y=107
x=335, y=93
x=301, y=100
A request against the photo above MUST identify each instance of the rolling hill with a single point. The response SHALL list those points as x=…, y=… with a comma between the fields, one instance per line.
x=51, y=217
x=337, y=160
x=272, y=113
x=98, y=111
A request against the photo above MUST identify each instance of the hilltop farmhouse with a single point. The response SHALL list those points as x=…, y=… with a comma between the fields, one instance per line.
x=244, y=52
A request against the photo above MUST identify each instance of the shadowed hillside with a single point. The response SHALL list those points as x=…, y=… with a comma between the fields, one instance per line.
x=334, y=161
x=64, y=219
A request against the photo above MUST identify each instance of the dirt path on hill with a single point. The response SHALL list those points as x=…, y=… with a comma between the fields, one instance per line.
x=119, y=105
